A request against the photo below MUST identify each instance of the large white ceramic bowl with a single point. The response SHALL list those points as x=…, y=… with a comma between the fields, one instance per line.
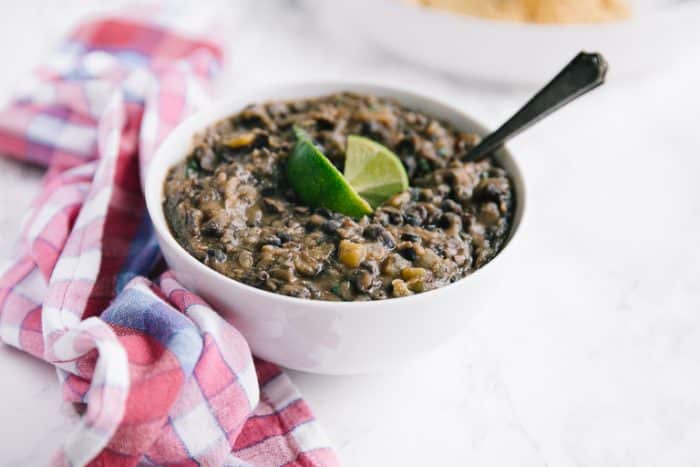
x=318, y=336
x=658, y=33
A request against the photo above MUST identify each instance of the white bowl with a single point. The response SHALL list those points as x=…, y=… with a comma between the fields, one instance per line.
x=320, y=336
x=659, y=32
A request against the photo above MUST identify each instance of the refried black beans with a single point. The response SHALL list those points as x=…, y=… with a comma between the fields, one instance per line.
x=230, y=206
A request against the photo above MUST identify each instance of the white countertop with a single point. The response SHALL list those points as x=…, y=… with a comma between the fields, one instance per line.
x=591, y=356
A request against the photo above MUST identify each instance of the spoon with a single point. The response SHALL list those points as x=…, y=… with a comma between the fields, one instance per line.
x=584, y=73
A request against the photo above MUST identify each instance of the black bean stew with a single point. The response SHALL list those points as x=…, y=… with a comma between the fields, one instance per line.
x=230, y=206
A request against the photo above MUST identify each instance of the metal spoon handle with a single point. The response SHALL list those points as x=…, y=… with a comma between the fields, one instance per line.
x=584, y=73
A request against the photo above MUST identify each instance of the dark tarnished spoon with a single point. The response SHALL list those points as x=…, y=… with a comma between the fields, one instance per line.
x=584, y=73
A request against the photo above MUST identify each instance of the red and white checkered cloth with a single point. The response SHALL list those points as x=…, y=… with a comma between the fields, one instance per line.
x=162, y=378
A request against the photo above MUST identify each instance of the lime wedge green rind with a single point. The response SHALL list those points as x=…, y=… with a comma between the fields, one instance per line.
x=373, y=170
x=318, y=182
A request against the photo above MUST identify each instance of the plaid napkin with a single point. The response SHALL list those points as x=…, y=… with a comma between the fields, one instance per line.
x=159, y=376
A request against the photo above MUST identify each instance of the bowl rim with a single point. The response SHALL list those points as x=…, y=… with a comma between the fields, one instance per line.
x=153, y=189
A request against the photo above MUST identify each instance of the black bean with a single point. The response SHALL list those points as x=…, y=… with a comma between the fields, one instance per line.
x=323, y=212
x=396, y=218
x=331, y=226
x=406, y=146
x=324, y=124
x=273, y=240
x=415, y=215
x=216, y=254
x=449, y=220
x=261, y=139
x=370, y=128
x=373, y=231
x=284, y=236
x=411, y=219
x=394, y=215
x=410, y=237
x=433, y=215
x=377, y=232
x=450, y=206
x=491, y=189
x=212, y=228
x=382, y=217
x=409, y=253
x=448, y=176
x=387, y=239
x=467, y=220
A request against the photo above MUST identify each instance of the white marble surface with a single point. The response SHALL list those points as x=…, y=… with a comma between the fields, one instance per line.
x=591, y=355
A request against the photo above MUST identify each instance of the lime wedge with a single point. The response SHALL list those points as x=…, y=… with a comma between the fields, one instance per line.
x=373, y=170
x=318, y=183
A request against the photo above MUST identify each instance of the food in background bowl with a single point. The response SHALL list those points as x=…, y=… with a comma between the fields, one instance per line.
x=536, y=11
x=230, y=205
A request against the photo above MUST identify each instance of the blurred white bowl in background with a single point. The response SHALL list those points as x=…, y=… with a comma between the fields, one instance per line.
x=509, y=52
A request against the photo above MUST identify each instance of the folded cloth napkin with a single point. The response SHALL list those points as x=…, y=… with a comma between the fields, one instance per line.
x=159, y=377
